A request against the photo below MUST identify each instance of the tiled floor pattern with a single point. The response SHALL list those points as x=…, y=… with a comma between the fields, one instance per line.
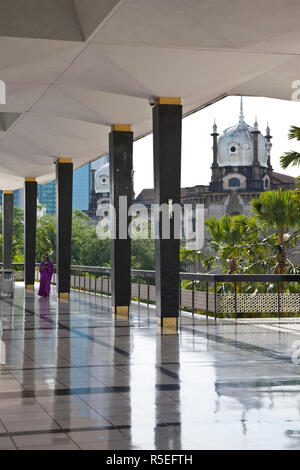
x=75, y=379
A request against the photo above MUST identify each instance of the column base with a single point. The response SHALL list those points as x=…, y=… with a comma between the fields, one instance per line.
x=64, y=295
x=29, y=287
x=120, y=312
x=167, y=325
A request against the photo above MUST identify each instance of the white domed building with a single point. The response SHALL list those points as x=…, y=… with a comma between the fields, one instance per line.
x=241, y=170
x=100, y=189
x=241, y=158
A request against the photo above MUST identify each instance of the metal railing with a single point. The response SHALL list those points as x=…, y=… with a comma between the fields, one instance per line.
x=199, y=293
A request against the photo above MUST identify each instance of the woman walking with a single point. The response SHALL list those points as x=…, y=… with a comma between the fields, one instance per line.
x=46, y=270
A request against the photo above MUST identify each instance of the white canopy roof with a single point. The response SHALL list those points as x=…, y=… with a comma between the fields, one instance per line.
x=73, y=68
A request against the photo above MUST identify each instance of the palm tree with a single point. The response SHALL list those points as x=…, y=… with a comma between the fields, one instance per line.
x=292, y=158
x=227, y=237
x=280, y=211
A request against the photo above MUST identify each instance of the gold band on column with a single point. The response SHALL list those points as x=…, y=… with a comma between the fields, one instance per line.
x=30, y=179
x=167, y=325
x=169, y=100
x=121, y=127
x=121, y=312
x=65, y=160
x=29, y=286
x=7, y=192
x=64, y=295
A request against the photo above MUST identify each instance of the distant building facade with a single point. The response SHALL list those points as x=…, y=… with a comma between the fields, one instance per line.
x=46, y=195
x=241, y=170
x=100, y=188
x=81, y=188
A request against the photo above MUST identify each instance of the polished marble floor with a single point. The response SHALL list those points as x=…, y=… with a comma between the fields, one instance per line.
x=75, y=379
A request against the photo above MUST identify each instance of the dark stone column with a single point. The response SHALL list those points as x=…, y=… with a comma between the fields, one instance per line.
x=30, y=196
x=167, y=122
x=120, y=153
x=64, y=187
x=7, y=228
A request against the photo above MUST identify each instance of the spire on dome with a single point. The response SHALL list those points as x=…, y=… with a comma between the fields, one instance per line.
x=268, y=129
x=256, y=123
x=241, y=110
x=215, y=126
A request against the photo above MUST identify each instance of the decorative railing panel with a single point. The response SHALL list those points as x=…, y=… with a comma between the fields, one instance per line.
x=259, y=303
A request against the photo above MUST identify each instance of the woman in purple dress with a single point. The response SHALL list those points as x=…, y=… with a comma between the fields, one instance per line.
x=46, y=270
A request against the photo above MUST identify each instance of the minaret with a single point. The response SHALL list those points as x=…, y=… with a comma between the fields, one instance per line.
x=256, y=169
x=215, y=146
x=215, y=173
x=268, y=138
x=241, y=119
x=255, y=142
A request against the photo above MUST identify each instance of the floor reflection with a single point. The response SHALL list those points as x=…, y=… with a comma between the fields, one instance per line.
x=75, y=378
x=45, y=317
x=167, y=400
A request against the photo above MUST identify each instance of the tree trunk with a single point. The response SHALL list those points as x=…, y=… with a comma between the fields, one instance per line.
x=281, y=259
x=232, y=265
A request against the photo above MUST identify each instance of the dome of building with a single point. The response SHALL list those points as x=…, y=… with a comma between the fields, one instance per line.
x=236, y=145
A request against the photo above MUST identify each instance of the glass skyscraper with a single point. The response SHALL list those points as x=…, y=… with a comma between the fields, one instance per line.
x=46, y=193
x=81, y=188
x=19, y=198
x=81, y=191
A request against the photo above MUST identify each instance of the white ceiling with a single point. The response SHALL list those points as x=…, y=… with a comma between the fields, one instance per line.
x=111, y=58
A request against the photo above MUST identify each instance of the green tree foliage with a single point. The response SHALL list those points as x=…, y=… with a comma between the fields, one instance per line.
x=86, y=250
x=45, y=237
x=280, y=212
x=18, y=235
x=225, y=239
x=143, y=254
x=292, y=158
x=233, y=244
x=253, y=245
x=236, y=244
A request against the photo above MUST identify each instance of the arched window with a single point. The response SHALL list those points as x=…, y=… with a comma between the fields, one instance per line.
x=234, y=183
